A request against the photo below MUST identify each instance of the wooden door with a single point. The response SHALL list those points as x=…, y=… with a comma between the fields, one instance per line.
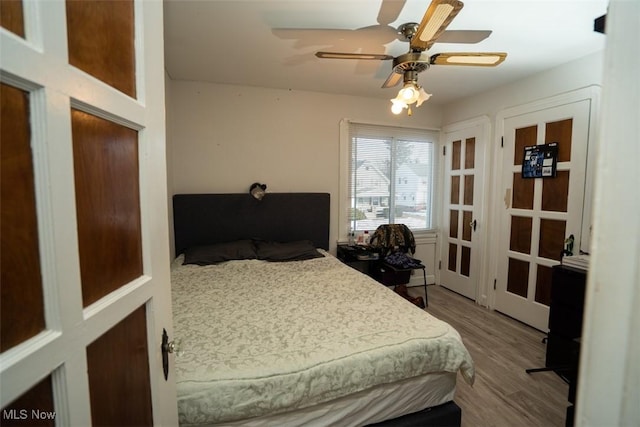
x=462, y=217
x=539, y=213
x=85, y=252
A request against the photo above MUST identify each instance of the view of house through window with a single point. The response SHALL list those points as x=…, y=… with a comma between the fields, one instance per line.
x=391, y=175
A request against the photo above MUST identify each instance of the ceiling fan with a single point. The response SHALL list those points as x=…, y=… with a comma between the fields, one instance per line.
x=421, y=38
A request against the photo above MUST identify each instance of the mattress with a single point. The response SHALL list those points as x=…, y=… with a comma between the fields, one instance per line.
x=260, y=338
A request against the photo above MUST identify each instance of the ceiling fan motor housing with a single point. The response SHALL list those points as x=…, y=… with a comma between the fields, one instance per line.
x=412, y=61
x=408, y=30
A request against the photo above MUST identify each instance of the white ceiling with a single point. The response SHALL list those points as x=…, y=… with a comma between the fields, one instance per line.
x=272, y=43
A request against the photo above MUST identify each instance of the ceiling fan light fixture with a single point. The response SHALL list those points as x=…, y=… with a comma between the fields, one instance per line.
x=409, y=93
x=423, y=96
x=397, y=106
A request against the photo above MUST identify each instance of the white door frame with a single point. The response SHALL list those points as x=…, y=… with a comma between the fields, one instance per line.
x=483, y=123
x=497, y=201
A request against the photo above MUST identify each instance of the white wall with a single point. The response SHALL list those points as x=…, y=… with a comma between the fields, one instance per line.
x=222, y=138
x=583, y=72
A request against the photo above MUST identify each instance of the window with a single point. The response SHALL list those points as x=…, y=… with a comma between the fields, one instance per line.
x=390, y=174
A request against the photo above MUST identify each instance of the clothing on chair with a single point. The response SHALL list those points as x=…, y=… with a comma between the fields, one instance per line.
x=402, y=260
x=389, y=237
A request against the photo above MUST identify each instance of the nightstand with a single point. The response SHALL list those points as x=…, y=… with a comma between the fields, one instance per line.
x=359, y=257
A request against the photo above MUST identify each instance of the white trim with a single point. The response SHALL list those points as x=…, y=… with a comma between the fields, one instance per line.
x=46, y=235
x=343, y=164
x=106, y=115
x=466, y=124
x=609, y=378
x=585, y=93
x=390, y=124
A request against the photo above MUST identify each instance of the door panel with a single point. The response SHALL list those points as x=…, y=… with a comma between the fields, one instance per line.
x=97, y=48
x=520, y=234
x=111, y=371
x=518, y=277
x=540, y=212
x=462, y=211
x=99, y=200
x=543, y=285
x=551, y=238
x=555, y=193
x=105, y=158
x=40, y=397
x=22, y=306
x=12, y=16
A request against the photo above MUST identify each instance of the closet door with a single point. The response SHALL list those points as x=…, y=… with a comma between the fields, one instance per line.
x=85, y=252
x=463, y=221
x=540, y=213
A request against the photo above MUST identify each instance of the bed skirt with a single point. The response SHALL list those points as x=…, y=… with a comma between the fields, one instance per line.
x=445, y=415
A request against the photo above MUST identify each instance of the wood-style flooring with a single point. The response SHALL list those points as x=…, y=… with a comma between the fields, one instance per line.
x=503, y=395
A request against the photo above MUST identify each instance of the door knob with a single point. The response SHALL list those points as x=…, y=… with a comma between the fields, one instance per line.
x=473, y=224
x=168, y=347
x=172, y=347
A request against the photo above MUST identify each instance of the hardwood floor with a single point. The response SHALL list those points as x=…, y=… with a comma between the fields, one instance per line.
x=502, y=348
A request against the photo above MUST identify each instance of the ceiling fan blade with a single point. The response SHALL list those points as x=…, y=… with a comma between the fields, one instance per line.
x=476, y=59
x=463, y=36
x=436, y=19
x=343, y=55
x=393, y=79
x=389, y=11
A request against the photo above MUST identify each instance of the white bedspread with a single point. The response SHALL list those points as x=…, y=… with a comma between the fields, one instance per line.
x=260, y=337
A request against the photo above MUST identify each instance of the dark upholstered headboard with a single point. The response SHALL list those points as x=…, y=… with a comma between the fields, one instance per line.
x=201, y=219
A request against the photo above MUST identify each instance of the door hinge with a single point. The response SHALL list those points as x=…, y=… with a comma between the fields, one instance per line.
x=444, y=150
x=495, y=281
x=502, y=141
x=440, y=265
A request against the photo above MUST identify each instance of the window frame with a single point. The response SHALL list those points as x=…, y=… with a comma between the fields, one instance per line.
x=344, y=201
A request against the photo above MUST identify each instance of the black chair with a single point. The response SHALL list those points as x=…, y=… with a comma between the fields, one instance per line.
x=394, y=242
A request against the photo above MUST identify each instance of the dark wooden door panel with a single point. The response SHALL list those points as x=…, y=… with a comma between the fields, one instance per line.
x=107, y=203
x=555, y=192
x=560, y=132
x=518, y=277
x=21, y=306
x=525, y=137
x=101, y=39
x=33, y=409
x=118, y=367
x=12, y=16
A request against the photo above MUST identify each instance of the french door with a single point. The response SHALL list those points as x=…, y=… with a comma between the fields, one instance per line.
x=539, y=214
x=85, y=252
x=462, y=219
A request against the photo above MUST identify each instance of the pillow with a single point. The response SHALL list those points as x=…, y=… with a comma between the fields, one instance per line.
x=289, y=251
x=220, y=252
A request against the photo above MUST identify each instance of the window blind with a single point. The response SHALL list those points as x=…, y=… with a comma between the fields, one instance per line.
x=391, y=176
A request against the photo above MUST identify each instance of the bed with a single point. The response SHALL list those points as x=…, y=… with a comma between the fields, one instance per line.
x=309, y=341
